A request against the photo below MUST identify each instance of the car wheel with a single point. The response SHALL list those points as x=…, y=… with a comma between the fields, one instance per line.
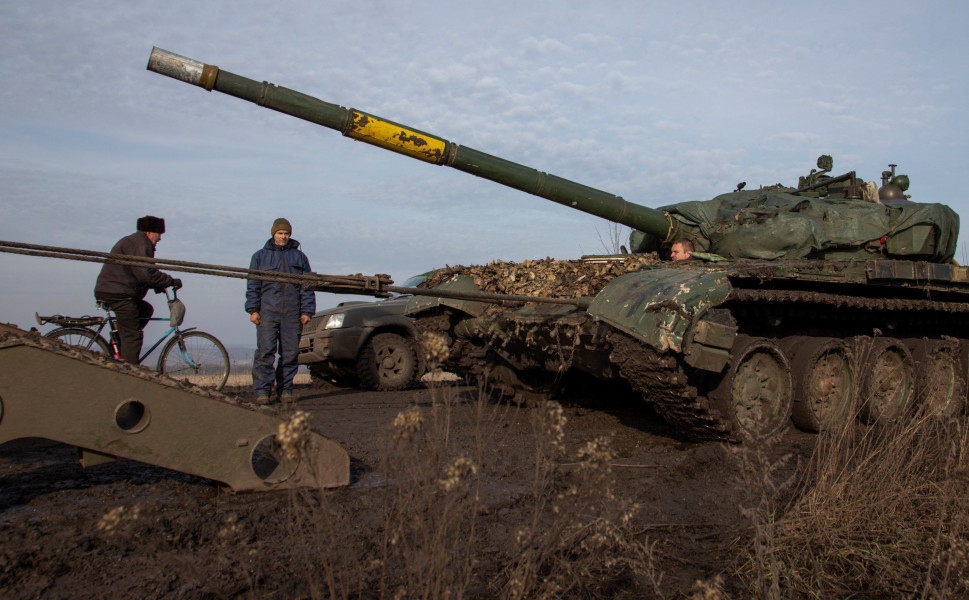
x=386, y=362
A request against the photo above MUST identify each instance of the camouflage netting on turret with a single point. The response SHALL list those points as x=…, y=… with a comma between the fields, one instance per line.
x=770, y=224
x=547, y=277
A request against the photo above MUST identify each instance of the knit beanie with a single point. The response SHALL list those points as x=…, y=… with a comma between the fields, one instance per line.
x=281, y=224
x=150, y=224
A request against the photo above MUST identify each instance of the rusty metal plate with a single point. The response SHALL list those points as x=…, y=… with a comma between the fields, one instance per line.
x=48, y=394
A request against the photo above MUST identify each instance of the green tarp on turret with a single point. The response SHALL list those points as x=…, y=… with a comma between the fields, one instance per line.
x=775, y=224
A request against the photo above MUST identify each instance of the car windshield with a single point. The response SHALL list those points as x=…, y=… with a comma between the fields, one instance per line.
x=416, y=280
x=412, y=282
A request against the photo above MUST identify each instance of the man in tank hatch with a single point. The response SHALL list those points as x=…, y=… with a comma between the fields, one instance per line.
x=682, y=249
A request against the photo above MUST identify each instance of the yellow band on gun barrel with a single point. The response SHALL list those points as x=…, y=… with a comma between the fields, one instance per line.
x=373, y=130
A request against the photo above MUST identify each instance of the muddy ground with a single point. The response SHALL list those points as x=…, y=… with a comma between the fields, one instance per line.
x=180, y=536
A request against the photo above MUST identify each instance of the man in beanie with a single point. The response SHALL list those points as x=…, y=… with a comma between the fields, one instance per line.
x=122, y=288
x=279, y=311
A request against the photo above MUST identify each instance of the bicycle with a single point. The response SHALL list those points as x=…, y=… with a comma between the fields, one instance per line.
x=201, y=358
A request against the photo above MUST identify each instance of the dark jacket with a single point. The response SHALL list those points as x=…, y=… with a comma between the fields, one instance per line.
x=279, y=298
x=131, y=281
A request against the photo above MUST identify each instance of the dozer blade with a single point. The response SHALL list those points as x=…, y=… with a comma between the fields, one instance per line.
x=108, y=409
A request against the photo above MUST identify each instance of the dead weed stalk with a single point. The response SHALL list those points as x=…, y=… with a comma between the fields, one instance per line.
x=882, y=513
x=576, y=539
x=571, y=533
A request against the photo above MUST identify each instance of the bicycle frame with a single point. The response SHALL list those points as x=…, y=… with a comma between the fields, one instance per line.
x=178, y=334
x=108, y=321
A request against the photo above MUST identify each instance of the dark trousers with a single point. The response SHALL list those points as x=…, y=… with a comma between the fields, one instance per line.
x=131, y=316
x=276, y=334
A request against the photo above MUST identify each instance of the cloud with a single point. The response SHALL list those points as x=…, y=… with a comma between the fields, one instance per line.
x=799, y=137
x=545, y=46
x=601, y=42
x=831, y=107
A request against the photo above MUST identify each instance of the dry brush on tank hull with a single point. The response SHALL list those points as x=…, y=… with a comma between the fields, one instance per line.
x=815, y=302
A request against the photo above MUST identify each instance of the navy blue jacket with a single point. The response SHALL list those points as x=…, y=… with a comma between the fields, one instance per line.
x=279, y=298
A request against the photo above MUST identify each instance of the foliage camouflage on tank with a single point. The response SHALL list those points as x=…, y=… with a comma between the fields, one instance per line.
x=546, y=277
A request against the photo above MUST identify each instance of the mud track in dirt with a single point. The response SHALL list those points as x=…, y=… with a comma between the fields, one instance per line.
x=184, y=537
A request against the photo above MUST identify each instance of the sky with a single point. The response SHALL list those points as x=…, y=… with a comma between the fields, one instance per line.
x=657, y=102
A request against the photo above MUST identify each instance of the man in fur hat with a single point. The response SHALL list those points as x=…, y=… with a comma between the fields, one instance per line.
x=122, y=288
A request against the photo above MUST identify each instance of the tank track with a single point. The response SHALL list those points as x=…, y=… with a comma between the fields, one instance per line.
x=781, y=313
x=10, y=336
x=841, y=300
x=667, y=389
x=665, y=386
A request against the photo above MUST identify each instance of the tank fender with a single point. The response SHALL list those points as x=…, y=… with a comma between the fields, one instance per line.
x=459, y=283
x=709, y=339
x=659, y=307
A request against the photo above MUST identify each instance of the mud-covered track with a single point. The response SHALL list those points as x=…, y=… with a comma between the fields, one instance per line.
x=667, y=389
x=895, y=305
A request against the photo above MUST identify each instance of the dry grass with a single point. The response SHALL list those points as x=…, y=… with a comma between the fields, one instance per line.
x=881, y=513
x=876, y=512
x=576, y=538
x=569, y=532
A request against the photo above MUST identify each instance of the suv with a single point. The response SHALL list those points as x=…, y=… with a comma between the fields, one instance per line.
x=370, y=344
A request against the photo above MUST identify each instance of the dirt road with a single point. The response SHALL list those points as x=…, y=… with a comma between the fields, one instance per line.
x=131, y=530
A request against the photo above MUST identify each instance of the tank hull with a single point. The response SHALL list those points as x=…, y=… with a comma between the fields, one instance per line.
x=681, y=335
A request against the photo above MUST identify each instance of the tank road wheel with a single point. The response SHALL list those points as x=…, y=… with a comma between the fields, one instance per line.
x=940, y=379
x=756, y=393
x=824, y=382
x=887, y=380
x=78, y=336
x=387, y=362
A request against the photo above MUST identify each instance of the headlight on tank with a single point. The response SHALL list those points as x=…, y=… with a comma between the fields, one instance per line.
x=334, y=321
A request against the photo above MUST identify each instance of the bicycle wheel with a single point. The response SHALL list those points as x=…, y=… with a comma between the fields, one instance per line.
x=195, y=357
x=83, y=338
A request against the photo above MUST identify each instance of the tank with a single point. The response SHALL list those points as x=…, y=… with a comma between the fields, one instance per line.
x=813, y=303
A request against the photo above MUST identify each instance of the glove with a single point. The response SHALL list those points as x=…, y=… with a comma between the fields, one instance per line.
x=176, y=284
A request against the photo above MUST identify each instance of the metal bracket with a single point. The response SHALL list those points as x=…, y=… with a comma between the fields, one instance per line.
x=109, y=413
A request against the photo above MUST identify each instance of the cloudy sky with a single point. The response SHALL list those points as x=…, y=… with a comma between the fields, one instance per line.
x=657, y=102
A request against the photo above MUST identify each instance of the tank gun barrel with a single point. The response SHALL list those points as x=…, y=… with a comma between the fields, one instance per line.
x=365, y=127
